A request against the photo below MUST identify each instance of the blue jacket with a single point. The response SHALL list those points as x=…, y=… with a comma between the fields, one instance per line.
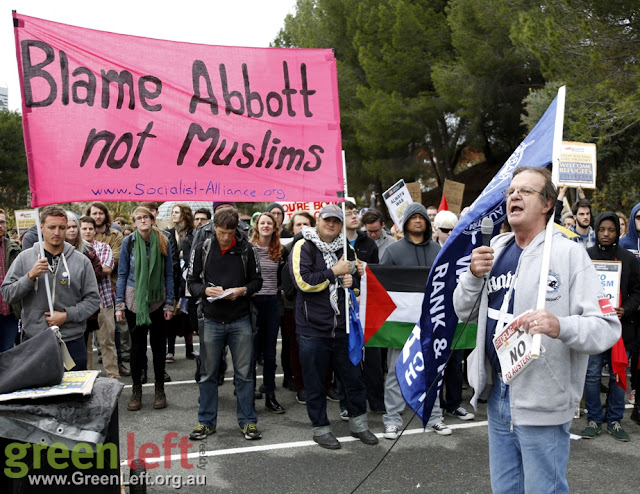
x=630, y=241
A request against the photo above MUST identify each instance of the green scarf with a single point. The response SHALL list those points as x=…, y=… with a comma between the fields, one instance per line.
x=149, y=276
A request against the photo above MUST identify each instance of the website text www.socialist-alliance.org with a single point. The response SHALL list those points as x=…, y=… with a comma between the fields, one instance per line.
x=91, y=480
x=187, y=188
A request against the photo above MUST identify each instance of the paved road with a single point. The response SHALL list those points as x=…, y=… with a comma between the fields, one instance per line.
x=287, y=461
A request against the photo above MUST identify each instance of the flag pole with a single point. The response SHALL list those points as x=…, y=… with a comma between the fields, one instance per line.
x=344, y=237
x=546, y=253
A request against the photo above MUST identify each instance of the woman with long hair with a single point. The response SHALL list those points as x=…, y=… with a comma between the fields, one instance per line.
x=73, y=237
x=266, y=241
x=144, y=297
x=183, y=224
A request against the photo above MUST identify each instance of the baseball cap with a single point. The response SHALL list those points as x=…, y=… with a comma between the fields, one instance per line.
x=331, y=211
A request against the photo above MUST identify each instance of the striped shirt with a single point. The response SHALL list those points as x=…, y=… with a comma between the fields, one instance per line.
x=269, y=270
x=105, y=289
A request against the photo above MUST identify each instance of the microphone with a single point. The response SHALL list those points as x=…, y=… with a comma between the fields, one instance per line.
x=486, y=227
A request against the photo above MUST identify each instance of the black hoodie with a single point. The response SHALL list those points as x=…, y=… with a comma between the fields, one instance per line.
x=629, y=279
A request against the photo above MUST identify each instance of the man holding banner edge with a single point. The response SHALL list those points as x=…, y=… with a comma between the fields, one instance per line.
x=529, y=419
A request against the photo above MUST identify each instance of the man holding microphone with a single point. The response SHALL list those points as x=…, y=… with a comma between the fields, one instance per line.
x=529, y=419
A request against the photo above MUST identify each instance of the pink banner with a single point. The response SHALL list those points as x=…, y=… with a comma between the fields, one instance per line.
x=121, y=118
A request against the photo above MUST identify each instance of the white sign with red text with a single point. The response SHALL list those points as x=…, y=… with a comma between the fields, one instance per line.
x=513, y=346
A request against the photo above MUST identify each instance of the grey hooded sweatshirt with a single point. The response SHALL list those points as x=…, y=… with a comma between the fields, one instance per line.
x=406, y=253
x=548, y=391
x=74, y=290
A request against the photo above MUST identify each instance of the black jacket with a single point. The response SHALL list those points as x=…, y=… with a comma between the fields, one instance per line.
x=236, y=268
x=366, y=248
x=314, y=314
x=629, y=279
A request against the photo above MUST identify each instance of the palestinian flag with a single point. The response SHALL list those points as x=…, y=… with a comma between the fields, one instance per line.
x=391, y=303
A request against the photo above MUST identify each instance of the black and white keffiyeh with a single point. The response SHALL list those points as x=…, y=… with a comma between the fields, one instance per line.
x=328, y=251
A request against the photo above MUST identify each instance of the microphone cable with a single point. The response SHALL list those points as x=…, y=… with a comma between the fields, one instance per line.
x=441, y=373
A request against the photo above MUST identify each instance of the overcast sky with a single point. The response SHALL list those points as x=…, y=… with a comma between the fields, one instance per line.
x=213, y=22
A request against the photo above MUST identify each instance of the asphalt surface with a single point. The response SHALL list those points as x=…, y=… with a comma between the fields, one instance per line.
x=286, y=460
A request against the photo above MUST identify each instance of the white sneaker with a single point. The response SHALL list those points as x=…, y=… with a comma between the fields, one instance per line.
x=462, y=414
x=390, y=432
x=441, y=429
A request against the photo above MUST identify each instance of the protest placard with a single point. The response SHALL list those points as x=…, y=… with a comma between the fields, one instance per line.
x=454, y=192
x=397, y=198
x=577, y=165
x=25, y=219
x=415, y=191
x=609, y=273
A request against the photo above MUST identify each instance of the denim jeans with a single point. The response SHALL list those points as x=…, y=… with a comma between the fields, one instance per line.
x=8, y=332
x=316, y=355
x=615, y=396
x=239, y=336
x=268, y=327
x=524, y=458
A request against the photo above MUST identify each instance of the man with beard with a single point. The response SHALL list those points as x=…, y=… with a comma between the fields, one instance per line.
x=582, y=214
x=113, y=238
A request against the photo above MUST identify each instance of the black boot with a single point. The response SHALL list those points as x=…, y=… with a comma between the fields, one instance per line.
x=272, y=405
x=635, y=415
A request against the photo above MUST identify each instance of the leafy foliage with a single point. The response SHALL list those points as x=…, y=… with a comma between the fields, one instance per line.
x=14, y=191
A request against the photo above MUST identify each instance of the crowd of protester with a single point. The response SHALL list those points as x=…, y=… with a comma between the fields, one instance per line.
x=239, y=284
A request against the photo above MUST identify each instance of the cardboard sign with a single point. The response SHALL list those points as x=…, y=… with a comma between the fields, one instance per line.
x=415, y=191
x=114, y=117
x=454, y=192
x=25, y=219
x=609, y=273
x=577, y=165
x=397, y=198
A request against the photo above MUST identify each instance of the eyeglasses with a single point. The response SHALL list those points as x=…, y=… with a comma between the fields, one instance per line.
x=350, y=213
x=445, y=230
x=523, y=191
x=142, y=218
x=374, y=231
x=276, y=213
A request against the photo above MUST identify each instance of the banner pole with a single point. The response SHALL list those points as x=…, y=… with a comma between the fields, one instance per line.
x=546, y=253
x=42, y=255
x=344, y=236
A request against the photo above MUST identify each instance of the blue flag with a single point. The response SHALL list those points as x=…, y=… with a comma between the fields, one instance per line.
x=356, y=333
x=426, y=351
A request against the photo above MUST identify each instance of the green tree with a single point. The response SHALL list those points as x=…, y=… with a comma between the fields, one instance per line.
x=592, y=47
x=14, y=191
x=488, y=78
